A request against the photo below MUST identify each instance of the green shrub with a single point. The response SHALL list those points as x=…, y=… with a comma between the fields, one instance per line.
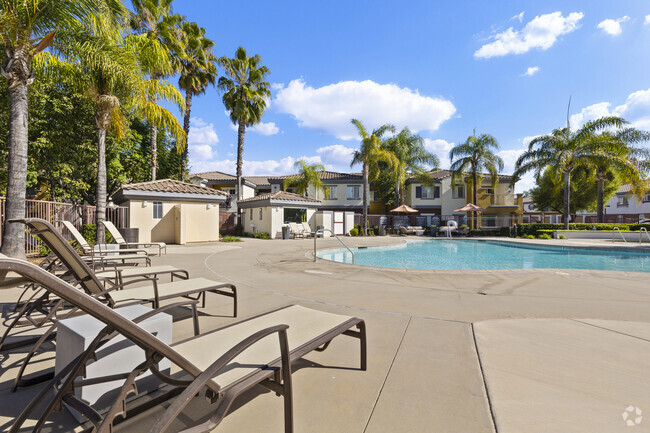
x=534, y=228
x=43, y=250
x=354, y=231
x=528, y=237
x=544, y=236
x=358, y=227
x=262, y=236
x=504, y=231
x=562, y=237
x=89, y=232
x=371, y=232
x=230, y=239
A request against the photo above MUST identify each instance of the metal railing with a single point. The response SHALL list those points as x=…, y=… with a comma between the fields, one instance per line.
x=614, y=230
x=322, y=231
x=641, y=230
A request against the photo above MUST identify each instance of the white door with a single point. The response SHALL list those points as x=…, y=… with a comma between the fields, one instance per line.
x=338, y=223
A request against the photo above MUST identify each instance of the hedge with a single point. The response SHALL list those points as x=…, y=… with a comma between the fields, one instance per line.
x=89, y=232
x=533, y=229
x=502, y=231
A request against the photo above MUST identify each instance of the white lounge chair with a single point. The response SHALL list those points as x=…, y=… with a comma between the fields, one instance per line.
x=121, y=242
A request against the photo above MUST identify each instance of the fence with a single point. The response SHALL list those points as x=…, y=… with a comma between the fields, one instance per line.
x=484, y=221
x=227, y=224
x=54, y=212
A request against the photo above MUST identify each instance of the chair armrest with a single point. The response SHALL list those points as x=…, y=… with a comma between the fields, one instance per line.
x=201, y=380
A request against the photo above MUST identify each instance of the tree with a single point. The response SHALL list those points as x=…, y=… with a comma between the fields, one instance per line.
x=308, y=174
x=563, y=151
x=245, y=95
x=476, y=155
x=198, y=71
x=411, y=157
x=549, y=190
x=26, y=30
x=369, y=154
x=160, y=50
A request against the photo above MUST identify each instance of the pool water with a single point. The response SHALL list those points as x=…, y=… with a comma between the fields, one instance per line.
x=475, y=254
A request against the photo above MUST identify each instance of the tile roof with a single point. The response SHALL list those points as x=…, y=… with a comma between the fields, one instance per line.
x=626, y=188
x=215, y=175
x=169, y=185
x=258, y=180
x=280, y=195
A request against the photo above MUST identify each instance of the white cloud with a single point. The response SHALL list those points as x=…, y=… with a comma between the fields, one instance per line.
x=588, y=113
x=613, y=27
x=440, y=148
x=201, y=139
x=336, y=154
x=265, y=128
x=269, y=167
x=329, y=108
x=531, y=71
x=527, y=139
x=541, y=32
x=519, y=16
x=636, y=110
x=647, y=20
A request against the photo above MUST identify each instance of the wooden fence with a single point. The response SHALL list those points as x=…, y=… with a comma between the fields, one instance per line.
x=54, y=212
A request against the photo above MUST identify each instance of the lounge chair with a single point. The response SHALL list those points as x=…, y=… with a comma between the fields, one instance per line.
x=224, y=363
x=306, y=229
x=122, y=243
x=296, y=230
x=193, y=289
x=106, y=257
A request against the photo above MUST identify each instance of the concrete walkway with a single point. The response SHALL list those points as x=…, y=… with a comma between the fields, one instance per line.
x=449, y=351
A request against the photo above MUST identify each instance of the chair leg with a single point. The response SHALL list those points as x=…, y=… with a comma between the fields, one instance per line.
x=364, y=346
x=18, y=381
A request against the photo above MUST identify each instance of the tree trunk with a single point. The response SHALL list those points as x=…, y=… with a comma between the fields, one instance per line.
x=600, y=181
x=100, y=201
x=153, y=143
x=475, y=192
x=366, y=192
x=397, y=193
x=241, y=131
x=13, y=235
x=567, y=196
x=186, y=128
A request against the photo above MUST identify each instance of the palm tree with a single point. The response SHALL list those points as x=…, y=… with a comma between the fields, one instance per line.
x=476, y=155
x=563, y=151
x=198, y=71
x=245, y=95
x=308, y=174
x=411, y=156
x=369, y=155
x=160, y=49
x=26, y=29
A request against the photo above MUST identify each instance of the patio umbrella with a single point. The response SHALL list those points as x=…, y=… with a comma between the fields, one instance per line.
x=404, y=209
x=470, y=207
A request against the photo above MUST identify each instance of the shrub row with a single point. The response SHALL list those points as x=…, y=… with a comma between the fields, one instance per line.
x=501, y=231
x=534, y=229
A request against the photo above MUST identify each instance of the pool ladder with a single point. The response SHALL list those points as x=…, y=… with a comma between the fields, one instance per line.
x=641, y=230
x=614, y=230
x=322, y=231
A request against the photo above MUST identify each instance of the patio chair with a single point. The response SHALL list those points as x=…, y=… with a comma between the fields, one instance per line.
x=193, y=289
x=122, y=243
x=306, y=229
x=106, y=256
x=225, y=362
x=296, y=230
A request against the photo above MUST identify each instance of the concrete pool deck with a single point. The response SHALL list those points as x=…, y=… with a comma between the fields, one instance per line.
x=449, y=351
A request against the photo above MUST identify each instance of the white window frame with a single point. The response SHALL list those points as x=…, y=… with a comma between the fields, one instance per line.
x=331, y=192
x=429, y=192
x=157, y=205
x=456, y=189
x=354, y=188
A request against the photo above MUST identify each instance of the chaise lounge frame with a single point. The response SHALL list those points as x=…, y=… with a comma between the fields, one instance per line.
x=123, y=243
x=274, y=374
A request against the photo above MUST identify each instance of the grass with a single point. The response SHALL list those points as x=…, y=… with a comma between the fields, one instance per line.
x=230, y=239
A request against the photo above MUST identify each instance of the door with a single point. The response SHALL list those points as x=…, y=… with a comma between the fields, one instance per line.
x=338, y=223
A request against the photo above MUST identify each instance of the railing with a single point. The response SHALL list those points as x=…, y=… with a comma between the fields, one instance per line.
x=54, y=212
x=614, y=230
x=333, y=234
x=641, y=230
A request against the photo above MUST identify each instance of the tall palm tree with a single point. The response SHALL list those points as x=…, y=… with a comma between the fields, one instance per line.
x=412, y=157
x=160, y=50
x=616, y=152
x=563, y=151
x=308, y=174
x=245, y=94
x=198, y=71
x=476, y=155
x=26, y=29
x=369, y=154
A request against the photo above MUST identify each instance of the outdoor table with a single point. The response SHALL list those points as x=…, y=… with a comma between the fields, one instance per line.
x=117, y=356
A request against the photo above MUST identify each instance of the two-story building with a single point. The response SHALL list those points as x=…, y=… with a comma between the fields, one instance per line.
x=624, y=207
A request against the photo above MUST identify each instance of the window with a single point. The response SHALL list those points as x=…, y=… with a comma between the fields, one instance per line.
x=371, y=197
x=488, y=191
x=250, y=214
x=646, y=198
x=353, y=192
x=232, y=191
x=622, y=201
x=427, y=192
x=260, y=214
x=458, y=191
x=157, y=210
x=292, y=215
x=330, y=192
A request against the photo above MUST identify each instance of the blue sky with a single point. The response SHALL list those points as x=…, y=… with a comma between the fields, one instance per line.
x=506, y=68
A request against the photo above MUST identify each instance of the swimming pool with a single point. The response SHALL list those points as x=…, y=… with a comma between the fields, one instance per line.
x=477, y=254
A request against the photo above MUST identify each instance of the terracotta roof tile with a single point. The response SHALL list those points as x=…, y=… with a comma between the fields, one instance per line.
x=169, y=185
x=280, y=195
x=215, y=175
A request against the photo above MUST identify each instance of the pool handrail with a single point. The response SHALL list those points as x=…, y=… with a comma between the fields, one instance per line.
x=641, y=230
x=619, y=232
x=323, y=230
